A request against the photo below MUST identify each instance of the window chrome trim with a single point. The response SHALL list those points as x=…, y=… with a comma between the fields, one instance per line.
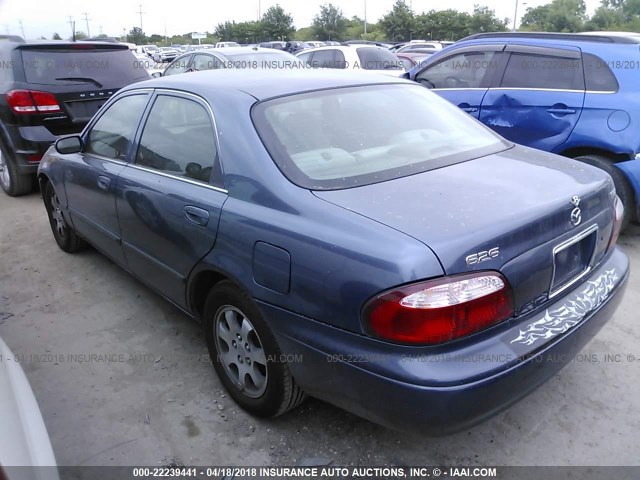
x=566, y=90
x=564, y=245
x=175, y=177
x=201, y=101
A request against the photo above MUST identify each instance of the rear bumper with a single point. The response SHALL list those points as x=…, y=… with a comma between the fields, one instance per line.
x=452, y=387
x=28, y=145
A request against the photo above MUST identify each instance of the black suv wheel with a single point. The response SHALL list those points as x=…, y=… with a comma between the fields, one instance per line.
x=13, y=183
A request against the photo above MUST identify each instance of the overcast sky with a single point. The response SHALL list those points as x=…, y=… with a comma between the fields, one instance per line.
x=46, y=17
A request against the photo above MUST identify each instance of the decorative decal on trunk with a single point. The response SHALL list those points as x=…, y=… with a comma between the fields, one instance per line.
x=560, y=320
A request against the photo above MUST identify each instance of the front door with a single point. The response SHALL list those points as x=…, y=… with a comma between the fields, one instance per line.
x=91, y=181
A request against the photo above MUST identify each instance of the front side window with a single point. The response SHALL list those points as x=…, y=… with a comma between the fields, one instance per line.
x=178, y=139
x=464, y=70
x=534, y=71
x=334, y=139
x=112, y=135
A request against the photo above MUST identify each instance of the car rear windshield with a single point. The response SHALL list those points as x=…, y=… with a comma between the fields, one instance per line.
x=348, y=137
x=378, y=58
x=83, y=66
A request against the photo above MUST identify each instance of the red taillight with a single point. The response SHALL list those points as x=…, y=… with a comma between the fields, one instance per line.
x=618, y=215
x=440, y=310
x=32, y=101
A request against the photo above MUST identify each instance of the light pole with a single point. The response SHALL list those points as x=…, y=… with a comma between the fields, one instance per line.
x=515, y=17
x=365, y=17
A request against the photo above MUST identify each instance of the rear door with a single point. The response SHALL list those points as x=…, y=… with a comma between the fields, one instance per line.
x=539, y=98
x=91, y=178
x=463, y=76
x=170, y=197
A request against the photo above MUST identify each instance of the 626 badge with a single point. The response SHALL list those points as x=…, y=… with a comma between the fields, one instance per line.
x=481, y=257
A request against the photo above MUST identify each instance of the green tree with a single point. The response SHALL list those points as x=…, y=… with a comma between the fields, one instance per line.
x=442, y=25
x=399, y=24
x=56, y=37
x=302, y=34
x=277, y=24
x=557, y=16
x=616, y=15
x=79, y=35
x=330, y=23
x=137, y=36
x=154, y=39
x=484, y=19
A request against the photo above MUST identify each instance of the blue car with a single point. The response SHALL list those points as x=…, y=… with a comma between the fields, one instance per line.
x=422, y=272
x=576, y=95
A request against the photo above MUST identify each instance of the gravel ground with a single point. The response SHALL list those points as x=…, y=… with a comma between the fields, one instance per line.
x=158, y=401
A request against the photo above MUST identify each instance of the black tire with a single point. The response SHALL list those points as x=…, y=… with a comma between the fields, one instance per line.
x=280, y=392
x=13, y=183
x=64, y=234
x=623, y=187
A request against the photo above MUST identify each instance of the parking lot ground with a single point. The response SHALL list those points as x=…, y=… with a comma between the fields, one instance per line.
x=156, y=400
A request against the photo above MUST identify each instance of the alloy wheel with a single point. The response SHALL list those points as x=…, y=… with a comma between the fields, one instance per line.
x=58, y=218
x=4, y=172
x=240, y=351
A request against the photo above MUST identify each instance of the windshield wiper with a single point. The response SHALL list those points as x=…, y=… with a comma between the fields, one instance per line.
x=82, y=79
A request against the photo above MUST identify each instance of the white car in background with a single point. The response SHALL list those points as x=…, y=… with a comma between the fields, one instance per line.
x=24, y=441
x=369, y=58
x=227, y=44
x=154, y=69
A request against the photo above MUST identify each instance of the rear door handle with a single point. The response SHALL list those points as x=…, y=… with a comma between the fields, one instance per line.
x=104, y=182
x=561, y=111
x=196, y=215
x=465, y=107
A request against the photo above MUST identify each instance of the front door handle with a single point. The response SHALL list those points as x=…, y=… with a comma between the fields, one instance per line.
x=103, y=183
x=196, y=215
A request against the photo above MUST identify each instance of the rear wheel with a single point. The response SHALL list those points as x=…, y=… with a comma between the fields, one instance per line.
x=13, y=183
x=64, y=234
x=245, y=354
x=623, y=187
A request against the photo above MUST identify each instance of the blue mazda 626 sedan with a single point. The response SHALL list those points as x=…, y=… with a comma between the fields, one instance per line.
x=348, y=236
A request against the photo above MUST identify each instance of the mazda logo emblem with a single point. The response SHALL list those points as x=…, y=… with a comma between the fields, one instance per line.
x=576, y=217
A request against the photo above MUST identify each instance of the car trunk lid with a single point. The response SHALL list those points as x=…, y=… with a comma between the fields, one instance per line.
x=475, y=217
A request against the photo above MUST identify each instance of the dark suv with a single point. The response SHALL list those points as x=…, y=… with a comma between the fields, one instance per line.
x=48, y=89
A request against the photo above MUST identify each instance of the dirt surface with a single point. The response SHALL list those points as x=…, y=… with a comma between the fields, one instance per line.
x=149, y=396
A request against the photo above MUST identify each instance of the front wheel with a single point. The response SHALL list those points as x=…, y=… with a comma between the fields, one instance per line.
x=623, y=187
x=245, y=354
x=65, y=235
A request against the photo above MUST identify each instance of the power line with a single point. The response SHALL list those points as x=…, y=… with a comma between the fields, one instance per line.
x=86, y=20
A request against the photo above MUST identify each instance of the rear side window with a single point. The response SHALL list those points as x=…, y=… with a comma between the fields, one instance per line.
x=178, y=139
x=378, y=58
x=598, y=76
x=95, y=68
x=526, y=70
x=112, y=134
x=206, y=62
x=323, y=59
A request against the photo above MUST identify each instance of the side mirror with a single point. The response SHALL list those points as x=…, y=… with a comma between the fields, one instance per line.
x=71, y=144
x=156, y=74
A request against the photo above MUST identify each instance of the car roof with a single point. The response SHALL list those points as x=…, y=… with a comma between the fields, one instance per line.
x=266, y=84
x=345, y=48
x=592, y=37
